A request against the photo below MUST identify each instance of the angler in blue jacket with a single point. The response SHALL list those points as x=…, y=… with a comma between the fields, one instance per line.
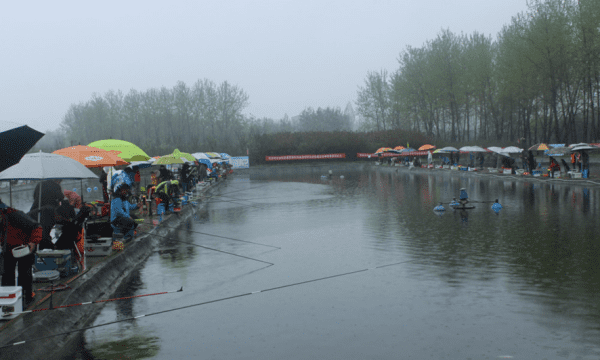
x=120, y=207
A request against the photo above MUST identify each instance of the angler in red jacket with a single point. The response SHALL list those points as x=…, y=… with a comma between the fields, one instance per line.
x=16, y=229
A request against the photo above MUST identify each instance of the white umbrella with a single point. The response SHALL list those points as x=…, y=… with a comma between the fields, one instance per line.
x=38, y=166
x=512, y=149
x=495, y=149
x=580, y=147
x=472, y=149
x=449, y=149
x=200, y=155
x=42, y=166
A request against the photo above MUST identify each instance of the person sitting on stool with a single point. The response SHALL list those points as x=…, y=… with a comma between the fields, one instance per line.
x=168, y=191
x=119, y=212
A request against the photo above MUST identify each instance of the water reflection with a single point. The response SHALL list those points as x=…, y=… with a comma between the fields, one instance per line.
x=529, y=273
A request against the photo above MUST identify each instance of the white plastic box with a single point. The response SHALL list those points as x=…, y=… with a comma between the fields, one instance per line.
x=103, y=247
x=11, y=301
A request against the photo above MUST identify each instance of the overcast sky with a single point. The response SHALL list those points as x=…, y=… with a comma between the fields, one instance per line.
x=286, y=55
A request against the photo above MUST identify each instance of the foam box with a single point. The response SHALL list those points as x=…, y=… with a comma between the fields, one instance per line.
x=59, y=260
x=507, y=171
x=576, y=175
x=11, y=301
x=102, y=247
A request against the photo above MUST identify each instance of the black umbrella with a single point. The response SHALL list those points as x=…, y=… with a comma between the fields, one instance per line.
x=15, y=141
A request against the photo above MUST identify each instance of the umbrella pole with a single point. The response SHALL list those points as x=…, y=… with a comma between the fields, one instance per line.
x=10, y=190
x=82, y=191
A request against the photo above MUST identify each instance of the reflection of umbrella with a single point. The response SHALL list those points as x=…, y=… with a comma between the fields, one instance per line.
x=472, y=149
x=129, y=152
x=15, y=141
x=168, y=160
x=91, y=156
x=426, y=147
x=539, y=147
x=399, y=148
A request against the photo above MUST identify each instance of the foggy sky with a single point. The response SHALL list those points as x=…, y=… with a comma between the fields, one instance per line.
x=286, y=55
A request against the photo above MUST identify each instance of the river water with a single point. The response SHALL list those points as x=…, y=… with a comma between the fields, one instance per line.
x=522, y=283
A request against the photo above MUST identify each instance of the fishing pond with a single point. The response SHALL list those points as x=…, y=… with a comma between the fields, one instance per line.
x=363, y=268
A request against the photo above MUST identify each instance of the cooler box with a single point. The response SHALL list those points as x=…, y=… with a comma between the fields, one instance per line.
x=100, y=247
x=575, y=175
x=537, y=173
x=100, y=228
x=11, y=301
x=59, y=260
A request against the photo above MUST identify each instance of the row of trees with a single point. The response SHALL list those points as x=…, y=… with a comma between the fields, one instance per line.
x=205, y=116
x=539, y=81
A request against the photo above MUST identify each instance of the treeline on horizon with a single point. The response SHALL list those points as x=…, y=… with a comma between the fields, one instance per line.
x=539, y=81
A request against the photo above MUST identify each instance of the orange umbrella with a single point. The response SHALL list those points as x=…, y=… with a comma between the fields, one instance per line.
x=539, y=147
x=399, y=148
x=426, y=147
x=383, y=149
x=91, y=156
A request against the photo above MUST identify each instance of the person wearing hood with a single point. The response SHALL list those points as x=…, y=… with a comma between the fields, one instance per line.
x=120, y=218
x=165, y=174
x=168, y=191
x=553, y=166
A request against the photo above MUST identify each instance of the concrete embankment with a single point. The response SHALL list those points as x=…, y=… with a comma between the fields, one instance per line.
x=47, y=334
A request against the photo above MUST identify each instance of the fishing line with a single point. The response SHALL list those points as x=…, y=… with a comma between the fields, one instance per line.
x=206, y=303
x=94, y=302
x=224, y=237
x=206, y=247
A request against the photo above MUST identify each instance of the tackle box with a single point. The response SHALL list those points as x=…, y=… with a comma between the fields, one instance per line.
x=11, y=301
x=59, y=260
x=100, y=247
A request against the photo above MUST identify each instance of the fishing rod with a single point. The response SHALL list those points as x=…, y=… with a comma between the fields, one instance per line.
x=206, y=247
x=225, y=237
x=92, y=302
x=206, y=303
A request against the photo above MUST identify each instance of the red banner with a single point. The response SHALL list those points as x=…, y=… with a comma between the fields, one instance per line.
x=304, y=157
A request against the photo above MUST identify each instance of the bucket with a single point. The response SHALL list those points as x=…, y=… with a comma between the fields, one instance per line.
x=160, y=209
x=21, y=251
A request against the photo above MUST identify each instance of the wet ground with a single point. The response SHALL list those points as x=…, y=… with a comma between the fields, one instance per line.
x=519, y=284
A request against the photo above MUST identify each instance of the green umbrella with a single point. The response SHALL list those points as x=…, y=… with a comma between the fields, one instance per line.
x=168, y=160
x=129, y=152
x=179, y=154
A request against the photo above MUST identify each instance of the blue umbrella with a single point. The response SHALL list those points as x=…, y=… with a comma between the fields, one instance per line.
x=15, y=141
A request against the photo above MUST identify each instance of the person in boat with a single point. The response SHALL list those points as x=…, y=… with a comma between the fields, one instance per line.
x=18, y=229
x=496, y=206
x=120, y=207
x=464, y=197
x=553, y=166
